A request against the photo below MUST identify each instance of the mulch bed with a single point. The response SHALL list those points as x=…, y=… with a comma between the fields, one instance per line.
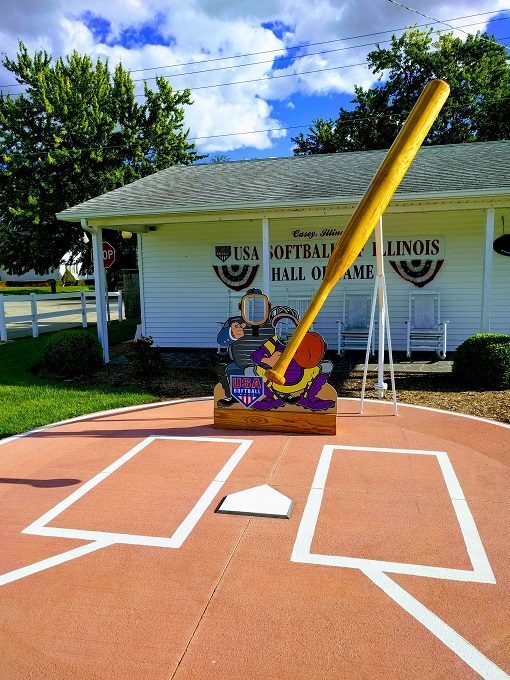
x=438, y=391
x=178, y=377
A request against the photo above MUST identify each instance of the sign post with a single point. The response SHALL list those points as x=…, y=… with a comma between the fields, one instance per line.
x=108, y=260
x=102, y=324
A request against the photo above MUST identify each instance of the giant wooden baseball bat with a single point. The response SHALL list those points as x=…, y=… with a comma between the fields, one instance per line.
x=367, y=214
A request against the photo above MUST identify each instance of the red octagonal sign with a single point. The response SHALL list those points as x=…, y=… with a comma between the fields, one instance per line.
x=108, y=254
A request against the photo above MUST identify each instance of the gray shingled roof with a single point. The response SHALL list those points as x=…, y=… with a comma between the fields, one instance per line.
x=474, y=168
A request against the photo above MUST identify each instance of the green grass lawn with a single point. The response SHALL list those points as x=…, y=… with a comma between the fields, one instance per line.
x=28, y=401
x=44, y=290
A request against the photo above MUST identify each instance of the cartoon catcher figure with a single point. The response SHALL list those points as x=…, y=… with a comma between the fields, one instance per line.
x=242, y=334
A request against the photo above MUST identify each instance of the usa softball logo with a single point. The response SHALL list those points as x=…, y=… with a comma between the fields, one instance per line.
x=247, y=389
x=223, y=252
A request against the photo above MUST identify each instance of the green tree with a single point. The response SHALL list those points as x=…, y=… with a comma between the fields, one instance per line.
x=220, y=158
x=75, y=132
x=477, y=70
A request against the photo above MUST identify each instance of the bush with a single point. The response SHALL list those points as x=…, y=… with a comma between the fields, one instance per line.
x=68, y=278
x=147, y=358
x=73, y=353
x=483, y=360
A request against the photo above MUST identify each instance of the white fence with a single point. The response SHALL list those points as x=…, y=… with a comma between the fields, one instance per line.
x=35, y=316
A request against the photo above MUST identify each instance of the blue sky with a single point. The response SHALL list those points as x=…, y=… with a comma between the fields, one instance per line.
x=308, y=108
x=173, y=38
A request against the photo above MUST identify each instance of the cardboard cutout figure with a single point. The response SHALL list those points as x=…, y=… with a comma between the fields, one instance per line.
x=255, y=340
x=355, y=235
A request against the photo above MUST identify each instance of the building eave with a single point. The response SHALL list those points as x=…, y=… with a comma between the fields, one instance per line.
x=343, y=205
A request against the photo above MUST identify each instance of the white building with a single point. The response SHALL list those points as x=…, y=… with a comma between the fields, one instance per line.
x=30, y=276
x=270, y=224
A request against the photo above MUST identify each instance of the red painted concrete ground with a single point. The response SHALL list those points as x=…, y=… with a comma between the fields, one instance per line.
x=230, y=603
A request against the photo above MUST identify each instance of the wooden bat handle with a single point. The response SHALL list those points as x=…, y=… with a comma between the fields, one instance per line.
x=371, y=207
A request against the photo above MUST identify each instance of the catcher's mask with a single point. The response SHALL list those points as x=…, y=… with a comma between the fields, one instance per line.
x=255, y=309
x=284, y=321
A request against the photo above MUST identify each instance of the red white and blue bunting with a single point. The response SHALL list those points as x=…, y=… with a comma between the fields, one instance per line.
x=236, y=276
x=417, y=272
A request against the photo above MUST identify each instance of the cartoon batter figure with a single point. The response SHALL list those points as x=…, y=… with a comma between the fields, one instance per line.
x=307, y=372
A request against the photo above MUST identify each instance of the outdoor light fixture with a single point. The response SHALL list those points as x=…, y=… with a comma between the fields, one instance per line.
x=127, y=234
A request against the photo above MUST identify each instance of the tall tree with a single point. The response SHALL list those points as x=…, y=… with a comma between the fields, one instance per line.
x=477, y=70
x=75, y=132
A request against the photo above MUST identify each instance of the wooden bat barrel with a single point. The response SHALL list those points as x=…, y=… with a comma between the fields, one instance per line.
x=367, y=214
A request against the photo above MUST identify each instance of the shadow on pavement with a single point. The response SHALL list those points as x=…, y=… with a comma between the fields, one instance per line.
x=40, y=483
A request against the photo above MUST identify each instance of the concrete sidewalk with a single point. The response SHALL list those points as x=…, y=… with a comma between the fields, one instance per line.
x=425, y=363
x=24, y=328
x=411, y=366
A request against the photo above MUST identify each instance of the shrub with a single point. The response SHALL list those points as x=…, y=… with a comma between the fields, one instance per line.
x=72, y=353
x=483, y=360
x=68, y=278
x=147, y=358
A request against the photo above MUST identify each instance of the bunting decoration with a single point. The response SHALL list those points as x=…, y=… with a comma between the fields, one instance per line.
x=417, y=272
x=236, y=276
x=502, y=245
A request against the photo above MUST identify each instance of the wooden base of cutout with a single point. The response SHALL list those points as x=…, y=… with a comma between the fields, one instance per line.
x=289, y=418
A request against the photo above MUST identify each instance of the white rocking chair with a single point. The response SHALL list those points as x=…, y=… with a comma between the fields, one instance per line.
x=425, y=330
x=355, y=323
x=299, y=302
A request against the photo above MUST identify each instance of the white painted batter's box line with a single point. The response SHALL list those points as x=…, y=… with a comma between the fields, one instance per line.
x=302, y=552
x=40, y=528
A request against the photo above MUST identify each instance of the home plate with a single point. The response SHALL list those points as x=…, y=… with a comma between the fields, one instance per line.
x=259, y=501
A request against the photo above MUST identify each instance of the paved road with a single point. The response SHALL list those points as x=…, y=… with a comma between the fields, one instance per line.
x=24, y=328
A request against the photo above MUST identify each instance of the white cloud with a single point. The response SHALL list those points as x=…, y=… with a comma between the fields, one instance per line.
x=207, y=29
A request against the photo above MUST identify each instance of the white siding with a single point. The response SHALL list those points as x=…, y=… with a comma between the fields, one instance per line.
x=184, y=300
x=500, y=306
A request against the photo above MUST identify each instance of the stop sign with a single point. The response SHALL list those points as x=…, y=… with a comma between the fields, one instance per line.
x=108, y=254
